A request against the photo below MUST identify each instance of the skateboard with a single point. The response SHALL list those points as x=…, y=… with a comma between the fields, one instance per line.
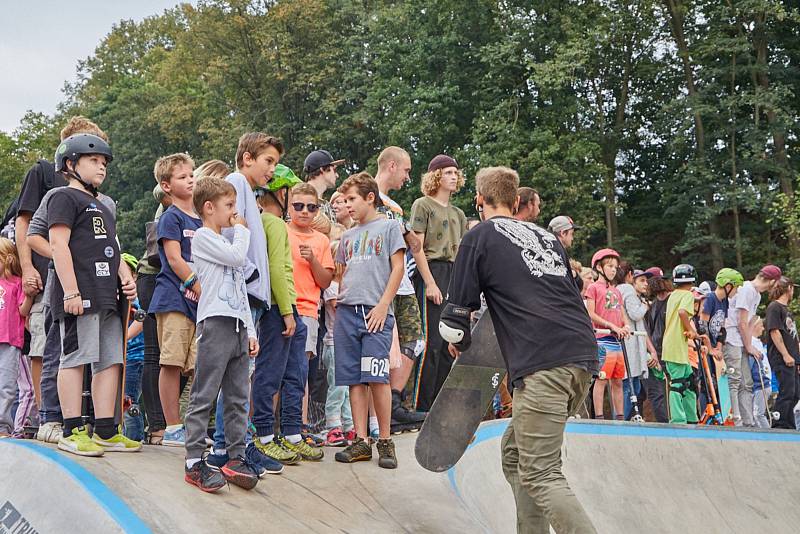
x=724, y=392
x=121, y=405
x=463, y=400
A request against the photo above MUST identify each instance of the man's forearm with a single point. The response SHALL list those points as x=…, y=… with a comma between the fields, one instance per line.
x=423, y=268
x=21, y=232
x=777, y=340
x=744, y=330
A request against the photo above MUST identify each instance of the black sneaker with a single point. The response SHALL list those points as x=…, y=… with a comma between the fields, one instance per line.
x=240, y=472
x=400, y=415
x=205, y=478
x=358, y=451
x=386, y=456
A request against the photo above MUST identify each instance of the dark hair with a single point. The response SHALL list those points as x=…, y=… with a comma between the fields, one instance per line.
x=623, y=269
x=526, y=194
x=781, y=287
x=659, y=284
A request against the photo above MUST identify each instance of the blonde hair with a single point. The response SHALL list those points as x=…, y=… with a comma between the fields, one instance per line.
x=9, y=258
x=305, y=189
x=431, y=181
x=254, y=143
x=208, y=190
x=337, y=272
x=80, y=125
x=497, y=185
x=165, y=166
x=214, y=168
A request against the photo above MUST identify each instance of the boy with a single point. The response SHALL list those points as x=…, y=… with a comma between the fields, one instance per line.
x=83, y=241
x=604, y=303
x=440, y=226
x=177, y=291
x=678, y=332
x=226, y=335
x=256, y=157
x=523, y=269
x=373, y=253
x=312, y=263
x=738, y=348
x=281, y=364
x=715, y=307
x=783, y=351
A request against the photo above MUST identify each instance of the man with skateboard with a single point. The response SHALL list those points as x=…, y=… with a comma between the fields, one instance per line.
x=550, y=357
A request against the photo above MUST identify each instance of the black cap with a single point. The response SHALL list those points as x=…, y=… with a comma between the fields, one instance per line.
x=318, y=159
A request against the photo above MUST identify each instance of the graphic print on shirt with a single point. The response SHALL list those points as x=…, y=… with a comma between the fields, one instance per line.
x=99, y=227
x=538, y=246
x=790, y=326
x=229, y=292
x=611, y=301
x=716, y=322
x=363, y=247
x=2, y=298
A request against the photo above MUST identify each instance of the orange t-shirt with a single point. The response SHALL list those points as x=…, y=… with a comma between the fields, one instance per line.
x=308, y=292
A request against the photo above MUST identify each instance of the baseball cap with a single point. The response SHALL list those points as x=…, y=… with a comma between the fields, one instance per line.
x=771, y=272
x=704, y=288
x=562, y=223
x=442, y=161
x=655, y=272
x=318, y=159
x=638, y=272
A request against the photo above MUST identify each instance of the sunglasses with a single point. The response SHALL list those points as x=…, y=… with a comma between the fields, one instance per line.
x=298, y=206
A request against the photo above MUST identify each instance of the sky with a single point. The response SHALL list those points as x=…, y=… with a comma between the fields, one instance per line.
x=41, y=42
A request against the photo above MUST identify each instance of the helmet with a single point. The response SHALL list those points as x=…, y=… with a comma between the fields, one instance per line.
x=727, y=276
x=603, y=253
x=282, y=177
x=130, y=259
x=683, y=274
x=75, y=146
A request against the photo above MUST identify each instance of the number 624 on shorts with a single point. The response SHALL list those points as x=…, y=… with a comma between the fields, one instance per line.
x=374, y=369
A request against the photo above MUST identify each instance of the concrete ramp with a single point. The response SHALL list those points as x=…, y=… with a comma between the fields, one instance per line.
x=652, y=478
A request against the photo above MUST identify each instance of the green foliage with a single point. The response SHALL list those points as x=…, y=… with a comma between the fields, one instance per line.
x=589, y=101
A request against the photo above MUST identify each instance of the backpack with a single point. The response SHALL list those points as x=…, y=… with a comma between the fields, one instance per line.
x=9, y=218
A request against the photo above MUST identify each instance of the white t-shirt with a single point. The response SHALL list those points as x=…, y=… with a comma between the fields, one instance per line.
x=393, y=210
x=747, y=298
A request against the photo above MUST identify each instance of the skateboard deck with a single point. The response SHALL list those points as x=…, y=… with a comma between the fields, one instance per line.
x=461, y=404
x=723, y=390
x=120, y=407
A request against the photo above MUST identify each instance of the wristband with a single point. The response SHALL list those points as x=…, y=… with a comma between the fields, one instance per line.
x=189, y=282
x=72, y=296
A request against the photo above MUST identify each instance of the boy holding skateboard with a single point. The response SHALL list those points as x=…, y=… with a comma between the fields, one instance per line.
x=83, y=240
x=550, y=357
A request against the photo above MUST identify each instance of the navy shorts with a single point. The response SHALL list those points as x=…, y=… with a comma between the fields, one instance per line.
x=361, y=357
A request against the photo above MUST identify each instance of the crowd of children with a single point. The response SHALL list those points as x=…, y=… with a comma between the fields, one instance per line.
x=256, y=298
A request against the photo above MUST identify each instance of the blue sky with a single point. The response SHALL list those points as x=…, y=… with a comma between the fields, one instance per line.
x=41, y=42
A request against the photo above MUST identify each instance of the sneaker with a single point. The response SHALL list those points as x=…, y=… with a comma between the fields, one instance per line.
x=386, y=456
x=335, y=438
x=240, y=472
x=50, y=432
x=216, y=461
x=205, y=478
x=302, y=449
x=358, y=451
x=117, y=443
x=350, y=435
x=312, y=439
x=276, y=452
x=80, y=443
x=264, y=464
x=174, y=438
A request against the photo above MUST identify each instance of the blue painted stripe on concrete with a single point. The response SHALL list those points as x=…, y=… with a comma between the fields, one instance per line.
x=116, y=508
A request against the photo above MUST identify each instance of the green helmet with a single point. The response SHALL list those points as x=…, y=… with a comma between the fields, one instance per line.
x=727, y=276
x=130, y=259
x=282, y=177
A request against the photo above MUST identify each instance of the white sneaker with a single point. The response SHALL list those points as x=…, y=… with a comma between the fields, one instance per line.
x=50, y=432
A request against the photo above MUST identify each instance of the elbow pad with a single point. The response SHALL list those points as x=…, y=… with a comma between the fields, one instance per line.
x=454, y=326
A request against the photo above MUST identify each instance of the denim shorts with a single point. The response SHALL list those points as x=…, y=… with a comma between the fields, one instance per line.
x=361, y=356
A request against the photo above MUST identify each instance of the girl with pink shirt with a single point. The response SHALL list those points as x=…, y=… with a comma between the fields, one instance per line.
x=14, y=307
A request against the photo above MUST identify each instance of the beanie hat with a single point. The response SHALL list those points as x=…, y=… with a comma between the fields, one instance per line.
x=442, y=161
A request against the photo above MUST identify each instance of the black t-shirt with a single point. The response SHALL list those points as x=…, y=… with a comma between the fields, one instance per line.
x=780, y=318
x=94, y=248
x=537, y=310
x=655, y=323
x=33, y=190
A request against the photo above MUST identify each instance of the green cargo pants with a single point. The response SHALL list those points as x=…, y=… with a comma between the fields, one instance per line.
x=531, y=448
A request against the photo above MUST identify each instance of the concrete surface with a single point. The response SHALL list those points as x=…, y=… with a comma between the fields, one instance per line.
x=630, y=478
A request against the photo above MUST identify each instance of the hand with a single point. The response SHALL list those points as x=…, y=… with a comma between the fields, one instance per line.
x=291, y=326
x=129, y=288
x=434, y=294
x=237, y=219
x=454, y=352
x=376, y=317
x=717, y=354
x=755, y=354
x=788, y=360
x=307, y=253
x=652, y=362
x=197, y=289
x=690, y=335
x=74, y=306
x=32, y=281
x=252, y=346
x=620, y=332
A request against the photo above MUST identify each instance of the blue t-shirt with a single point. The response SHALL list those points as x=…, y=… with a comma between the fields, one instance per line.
x=135, y=352
x=169, y=295
x=717, y=310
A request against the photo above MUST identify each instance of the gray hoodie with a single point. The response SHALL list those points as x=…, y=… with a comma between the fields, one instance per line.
x=636, y=346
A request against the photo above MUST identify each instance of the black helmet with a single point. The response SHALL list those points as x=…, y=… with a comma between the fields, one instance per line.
x=75, y=146
x=683, y=273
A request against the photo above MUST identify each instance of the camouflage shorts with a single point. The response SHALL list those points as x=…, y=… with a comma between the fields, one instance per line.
x=407, y=319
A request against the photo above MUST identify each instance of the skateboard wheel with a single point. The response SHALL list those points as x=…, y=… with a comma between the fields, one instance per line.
x=776, y=415
x=601, y=375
